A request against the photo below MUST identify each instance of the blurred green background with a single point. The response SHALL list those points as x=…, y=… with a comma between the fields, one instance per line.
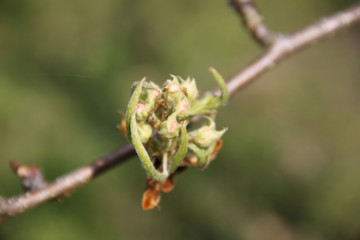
x=289, y=167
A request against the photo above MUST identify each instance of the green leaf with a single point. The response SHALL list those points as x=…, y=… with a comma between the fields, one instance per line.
x=224, y=97
x=211, y=102
x=131, y=108
x=142, y=153
x=182, y=150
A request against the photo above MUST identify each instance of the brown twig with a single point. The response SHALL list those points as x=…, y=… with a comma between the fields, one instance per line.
x=287, y=44
x=280, y=47
x=65, y=184
x=254, y=21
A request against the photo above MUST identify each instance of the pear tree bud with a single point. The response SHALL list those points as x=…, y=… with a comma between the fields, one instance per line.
x=206, y=135
x=182, y=107
x=148, y=100
x=190, y=89
x=170, y=127
x=145, y=132
x=173, y=93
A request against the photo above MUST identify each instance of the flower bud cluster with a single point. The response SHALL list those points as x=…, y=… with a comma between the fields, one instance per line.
x=157, y=121
x=203, y=142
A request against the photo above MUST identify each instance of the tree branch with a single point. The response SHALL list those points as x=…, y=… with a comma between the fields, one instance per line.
x=279, y=47
x=254, y=21
x=286, y=44
x=64, y=185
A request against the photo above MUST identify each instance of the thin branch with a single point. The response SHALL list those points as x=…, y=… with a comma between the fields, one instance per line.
x=254, y=21
x=280, y=47
x=64, y=185
x=285, y=45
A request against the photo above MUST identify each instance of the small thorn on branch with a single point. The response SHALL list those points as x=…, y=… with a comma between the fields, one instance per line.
x=31, y=176
x=254, y=21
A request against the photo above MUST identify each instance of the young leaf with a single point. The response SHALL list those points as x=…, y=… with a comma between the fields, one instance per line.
x=181, y=152
x=131, y=108
x=142, y=153
x=224, y=97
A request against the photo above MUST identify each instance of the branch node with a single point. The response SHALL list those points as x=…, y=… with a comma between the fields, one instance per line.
x=31, y=176
x=254, y=21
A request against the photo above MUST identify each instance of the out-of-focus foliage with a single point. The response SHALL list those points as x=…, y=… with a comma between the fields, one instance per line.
x=289, y=167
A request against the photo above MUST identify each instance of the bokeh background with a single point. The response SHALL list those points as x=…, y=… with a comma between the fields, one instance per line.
x=289, y=167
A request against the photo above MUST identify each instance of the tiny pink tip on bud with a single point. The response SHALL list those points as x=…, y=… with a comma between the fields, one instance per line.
x=141, y=111
x=183, y=106
x=172, y=126
x=140, y=107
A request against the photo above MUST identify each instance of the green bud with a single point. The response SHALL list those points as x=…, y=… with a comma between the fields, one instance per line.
x=172, y=86
x=182, y=107
x=165, y=113
x=142, y=112
x=173, y=93
x=151, y=93
x=190, y=88
x=209, y=103
x=201, y=154
x=145, y=132
x=170, y=127
x=206, y=135
x=147, y=101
